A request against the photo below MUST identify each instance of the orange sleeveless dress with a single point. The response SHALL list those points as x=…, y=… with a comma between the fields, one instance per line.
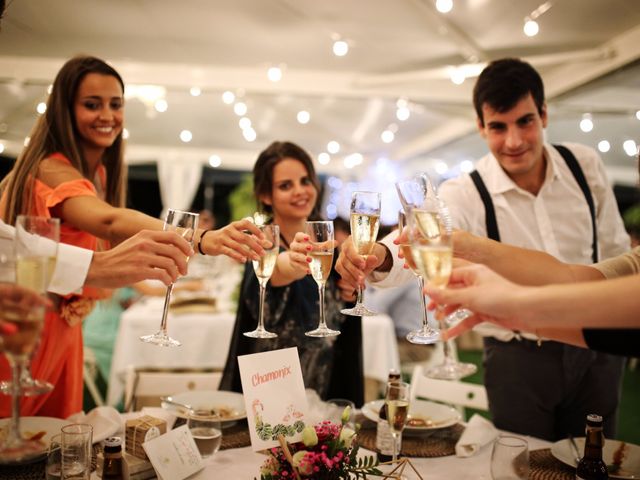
x=59, y=358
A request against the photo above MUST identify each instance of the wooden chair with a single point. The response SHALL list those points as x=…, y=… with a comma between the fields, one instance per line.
x=453, y=392
x=145, y=386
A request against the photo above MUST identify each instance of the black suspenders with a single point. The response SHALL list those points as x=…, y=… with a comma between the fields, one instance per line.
x=490, y=213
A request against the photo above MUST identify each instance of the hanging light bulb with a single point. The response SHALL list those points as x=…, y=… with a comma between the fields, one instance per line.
x=41, y=108
x=586, y=124
x=333, y=147
x=228, y=97
x=161, y=105
x=387, y=136
x=324, y=158
x=630, y=147
x=215, y=161
x=604, y=146
x=638, y=114
x=531, y=27
x=195, y=91
x=444, y=6
x=303, y=117
x=186, y=136
x=340, y=48
x=457, y=76
x=274, y=74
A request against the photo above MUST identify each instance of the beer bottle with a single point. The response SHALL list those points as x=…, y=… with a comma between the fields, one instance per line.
x=384, y=439
x=591, y=466
x=112, y=468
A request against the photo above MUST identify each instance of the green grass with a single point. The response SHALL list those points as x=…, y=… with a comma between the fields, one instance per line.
x=629, y=414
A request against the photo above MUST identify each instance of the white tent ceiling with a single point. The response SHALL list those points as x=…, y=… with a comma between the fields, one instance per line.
x=399, y=49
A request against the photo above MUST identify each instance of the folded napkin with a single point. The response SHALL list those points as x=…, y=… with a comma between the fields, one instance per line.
x=106, y=421
x=478, y=433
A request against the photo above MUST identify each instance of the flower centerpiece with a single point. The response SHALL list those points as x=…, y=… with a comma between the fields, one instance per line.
x=328, y=451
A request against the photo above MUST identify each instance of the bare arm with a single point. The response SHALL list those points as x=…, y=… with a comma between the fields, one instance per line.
x=293, y=264
x=520, y=265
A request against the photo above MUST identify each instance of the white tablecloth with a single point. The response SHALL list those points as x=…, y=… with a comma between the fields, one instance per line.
x=205, y=343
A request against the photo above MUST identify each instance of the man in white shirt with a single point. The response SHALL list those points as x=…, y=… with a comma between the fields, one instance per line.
x=534, y=198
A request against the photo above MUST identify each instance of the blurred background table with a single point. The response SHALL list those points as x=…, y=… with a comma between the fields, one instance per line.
x=205, y=340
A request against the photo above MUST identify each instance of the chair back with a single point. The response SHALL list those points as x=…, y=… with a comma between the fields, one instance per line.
x=145, y=386
x=454, y=392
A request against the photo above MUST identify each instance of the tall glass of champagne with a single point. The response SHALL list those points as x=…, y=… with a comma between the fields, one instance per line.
x=323, y=244
x=264, y=269
x=397, y=404
x=33, y=266
x=35, y=237
x=432, y=247
x=185, y=224
x=425, y=334
x=365, y=222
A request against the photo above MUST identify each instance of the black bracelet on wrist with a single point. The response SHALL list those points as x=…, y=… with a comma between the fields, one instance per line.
x=200, y=240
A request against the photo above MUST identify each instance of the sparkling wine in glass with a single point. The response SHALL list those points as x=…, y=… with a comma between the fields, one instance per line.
x=185, y=224
x=425, y=334
x=432, y=247
x=365, y=222
x=264, y=269
x=397, y=404
x=35, y=237
x=32, y=271
x=322, y=242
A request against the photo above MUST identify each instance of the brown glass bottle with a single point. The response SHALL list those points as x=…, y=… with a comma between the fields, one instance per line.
x=591, y=465
x=384, y=439
x=113, y=468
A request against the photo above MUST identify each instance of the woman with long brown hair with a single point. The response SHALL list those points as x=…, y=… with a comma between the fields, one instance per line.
x=72, y=168
x=287, y=189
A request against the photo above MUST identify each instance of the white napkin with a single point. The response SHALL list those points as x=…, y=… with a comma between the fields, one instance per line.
x=478, y=433
x=106, y=421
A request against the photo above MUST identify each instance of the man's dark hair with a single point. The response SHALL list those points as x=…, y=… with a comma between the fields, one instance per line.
x=503, y=83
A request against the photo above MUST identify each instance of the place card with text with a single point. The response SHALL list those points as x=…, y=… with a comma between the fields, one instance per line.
x=274, y=396
x=174, y=455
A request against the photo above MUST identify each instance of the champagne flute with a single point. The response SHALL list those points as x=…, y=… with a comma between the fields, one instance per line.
x=397, y=403
x=426, y=334
x=414, y=192
x=185, y=224
x=323, y=243
x=41, y=235
x=432, y=247
x=365, y=221
x=32, y=271
x=264, y=269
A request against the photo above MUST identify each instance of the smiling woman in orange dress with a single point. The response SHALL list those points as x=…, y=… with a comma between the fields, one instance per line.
x=72, y=168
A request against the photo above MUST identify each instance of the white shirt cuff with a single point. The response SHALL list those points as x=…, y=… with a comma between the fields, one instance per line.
x=72, y=267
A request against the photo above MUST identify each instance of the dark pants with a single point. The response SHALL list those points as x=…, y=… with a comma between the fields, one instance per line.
x=548, y=391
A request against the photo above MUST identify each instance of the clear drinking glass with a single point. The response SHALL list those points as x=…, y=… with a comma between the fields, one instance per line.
x=323, y=243
x=264, y=269
x=206, y=430
x=77, y=439
x=413, y=192
x=365, y=222
x=432, y=247
x=397, y=403
x=41, y=235
x=510, y=458
x=32, y=267
x=185, y=224
x=425, y=334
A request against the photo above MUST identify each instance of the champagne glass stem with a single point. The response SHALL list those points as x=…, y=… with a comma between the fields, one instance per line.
x=261, y=313
x=423, y=301
x=394, y=436
x=17, y=366
x=446, y=347
x=165, y=310
x=359, y=296
x=323, y=323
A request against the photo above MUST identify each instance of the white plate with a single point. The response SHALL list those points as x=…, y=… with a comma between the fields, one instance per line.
x=630, y=466
x=440, y=415
x=30, y=426
x=209, y=399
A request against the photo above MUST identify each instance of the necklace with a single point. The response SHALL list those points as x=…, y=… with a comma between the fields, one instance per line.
x=284, y=241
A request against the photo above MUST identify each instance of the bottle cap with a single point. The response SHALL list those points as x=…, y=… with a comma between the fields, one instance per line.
x=112, y=442
x=394, y=374
x=594, y=420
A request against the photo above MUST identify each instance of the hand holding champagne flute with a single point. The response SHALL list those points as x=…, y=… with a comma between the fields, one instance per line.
x=263, y=268
x=365, y=222
x=185, y=224
x=322, y=241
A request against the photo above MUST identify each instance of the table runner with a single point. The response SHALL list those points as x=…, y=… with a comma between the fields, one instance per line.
x=544, y=466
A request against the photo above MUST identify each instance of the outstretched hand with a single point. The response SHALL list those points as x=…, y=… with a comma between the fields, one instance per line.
x=353, y=267
x=147, y=255
x=489, y=296
x=239, y=240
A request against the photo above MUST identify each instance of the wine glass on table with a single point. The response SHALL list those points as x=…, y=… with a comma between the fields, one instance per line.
x=33, y=272
x=322, y=242
x=185, y=224
x=41, y=235
x=432, y=246
x=365, y=222
x=264, y=269
x=397, y=404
